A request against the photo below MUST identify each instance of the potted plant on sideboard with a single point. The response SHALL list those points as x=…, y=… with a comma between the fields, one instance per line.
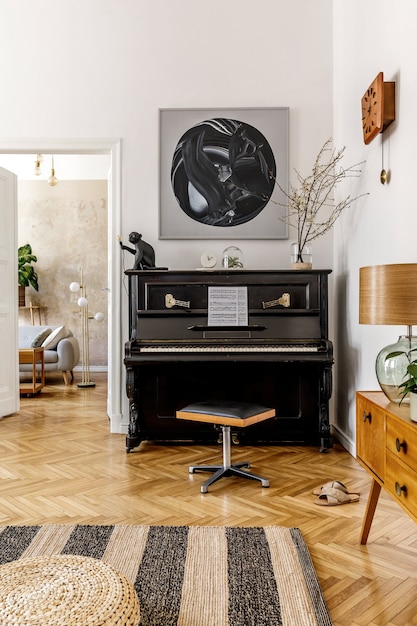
x=26, y=272
x=409, y=386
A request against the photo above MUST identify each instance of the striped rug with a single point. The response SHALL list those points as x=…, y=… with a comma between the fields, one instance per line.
x=194, y=575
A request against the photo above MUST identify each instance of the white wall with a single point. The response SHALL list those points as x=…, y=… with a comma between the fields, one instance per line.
x=372, y=36
x=103, y=68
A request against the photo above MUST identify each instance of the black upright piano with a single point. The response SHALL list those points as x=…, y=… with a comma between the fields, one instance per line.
x=182, y=349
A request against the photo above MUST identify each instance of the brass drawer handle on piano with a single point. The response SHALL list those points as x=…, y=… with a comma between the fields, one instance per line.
x=284, y=301
x=170, y=302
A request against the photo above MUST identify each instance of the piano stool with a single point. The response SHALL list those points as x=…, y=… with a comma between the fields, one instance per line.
x=226, y=414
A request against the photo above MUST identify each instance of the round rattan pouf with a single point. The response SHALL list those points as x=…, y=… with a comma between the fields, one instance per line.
x=66, y=590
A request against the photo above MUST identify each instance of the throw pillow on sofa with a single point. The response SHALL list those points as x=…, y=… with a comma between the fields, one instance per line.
x=40, y=338
x=55, y=337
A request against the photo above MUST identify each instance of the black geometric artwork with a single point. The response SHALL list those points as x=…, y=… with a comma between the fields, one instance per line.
x=223, y=172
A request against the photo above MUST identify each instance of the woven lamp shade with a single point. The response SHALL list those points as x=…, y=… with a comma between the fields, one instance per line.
x=388, y=294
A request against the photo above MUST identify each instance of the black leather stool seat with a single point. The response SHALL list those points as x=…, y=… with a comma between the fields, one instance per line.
x=226, y=414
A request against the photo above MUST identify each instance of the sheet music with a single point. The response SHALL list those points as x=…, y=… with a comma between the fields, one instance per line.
x=227, y=306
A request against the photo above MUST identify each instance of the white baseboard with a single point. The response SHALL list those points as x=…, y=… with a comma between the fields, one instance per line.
x=345, y=441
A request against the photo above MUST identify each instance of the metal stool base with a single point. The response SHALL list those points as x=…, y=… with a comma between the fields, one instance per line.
x=228, y=468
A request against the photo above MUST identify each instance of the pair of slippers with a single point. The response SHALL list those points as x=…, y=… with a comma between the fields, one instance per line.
x=333, y=494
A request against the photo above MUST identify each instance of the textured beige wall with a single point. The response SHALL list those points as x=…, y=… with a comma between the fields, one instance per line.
x=66, y=226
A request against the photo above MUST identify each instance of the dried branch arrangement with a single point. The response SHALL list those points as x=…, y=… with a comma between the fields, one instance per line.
x=311, y=208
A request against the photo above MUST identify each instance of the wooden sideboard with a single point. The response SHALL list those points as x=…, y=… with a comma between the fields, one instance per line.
x=386, y=446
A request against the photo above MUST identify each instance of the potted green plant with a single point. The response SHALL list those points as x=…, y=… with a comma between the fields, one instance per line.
x=26, y=272
x=409, y=385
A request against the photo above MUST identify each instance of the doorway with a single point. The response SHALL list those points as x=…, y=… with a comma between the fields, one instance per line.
x=111, y=147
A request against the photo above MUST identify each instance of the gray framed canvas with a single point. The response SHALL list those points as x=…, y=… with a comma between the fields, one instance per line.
x=218, y=169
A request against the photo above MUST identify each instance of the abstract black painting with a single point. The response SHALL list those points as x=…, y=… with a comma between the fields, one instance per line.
x=222, y=171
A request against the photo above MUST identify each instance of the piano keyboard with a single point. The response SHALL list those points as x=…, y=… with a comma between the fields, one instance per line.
x=231, y=348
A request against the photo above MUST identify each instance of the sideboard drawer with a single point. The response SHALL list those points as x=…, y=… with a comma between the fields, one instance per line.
x=401, y=483
x=402, y=440
x=370, y=435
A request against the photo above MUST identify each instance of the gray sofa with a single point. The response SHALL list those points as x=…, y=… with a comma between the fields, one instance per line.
x=61, y=355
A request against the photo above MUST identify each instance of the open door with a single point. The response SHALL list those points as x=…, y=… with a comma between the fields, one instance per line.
x=9, y=374
x=117, y=401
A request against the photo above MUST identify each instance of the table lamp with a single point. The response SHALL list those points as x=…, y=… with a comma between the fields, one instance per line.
x=388, y=295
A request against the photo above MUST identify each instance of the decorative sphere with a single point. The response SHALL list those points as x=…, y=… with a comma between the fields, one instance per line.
x=75, y=287
x=99, y=317
x=82, y=302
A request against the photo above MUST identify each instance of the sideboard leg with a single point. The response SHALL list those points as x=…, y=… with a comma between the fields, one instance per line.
x=370, y=510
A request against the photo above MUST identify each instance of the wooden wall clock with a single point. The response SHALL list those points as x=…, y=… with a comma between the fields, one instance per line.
x=378, y=107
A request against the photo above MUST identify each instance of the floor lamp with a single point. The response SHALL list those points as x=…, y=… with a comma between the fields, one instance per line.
x=85, y=317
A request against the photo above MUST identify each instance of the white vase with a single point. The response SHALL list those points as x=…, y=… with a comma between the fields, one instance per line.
x=413, y=406
x=301, y=260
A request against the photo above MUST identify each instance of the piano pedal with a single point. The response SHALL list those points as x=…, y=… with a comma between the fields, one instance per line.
x=234, y=438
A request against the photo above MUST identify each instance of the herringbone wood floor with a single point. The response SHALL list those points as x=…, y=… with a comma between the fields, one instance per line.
x=59, y=464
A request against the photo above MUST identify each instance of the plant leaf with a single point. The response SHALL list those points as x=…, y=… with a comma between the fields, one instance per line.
x=394, y=354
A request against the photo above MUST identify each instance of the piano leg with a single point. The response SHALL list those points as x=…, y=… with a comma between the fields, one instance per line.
x=133, y=437
x=326, y=440
x=326, y=443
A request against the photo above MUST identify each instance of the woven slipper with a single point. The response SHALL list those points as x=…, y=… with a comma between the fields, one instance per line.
x=334, y=484
x=334, y=497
